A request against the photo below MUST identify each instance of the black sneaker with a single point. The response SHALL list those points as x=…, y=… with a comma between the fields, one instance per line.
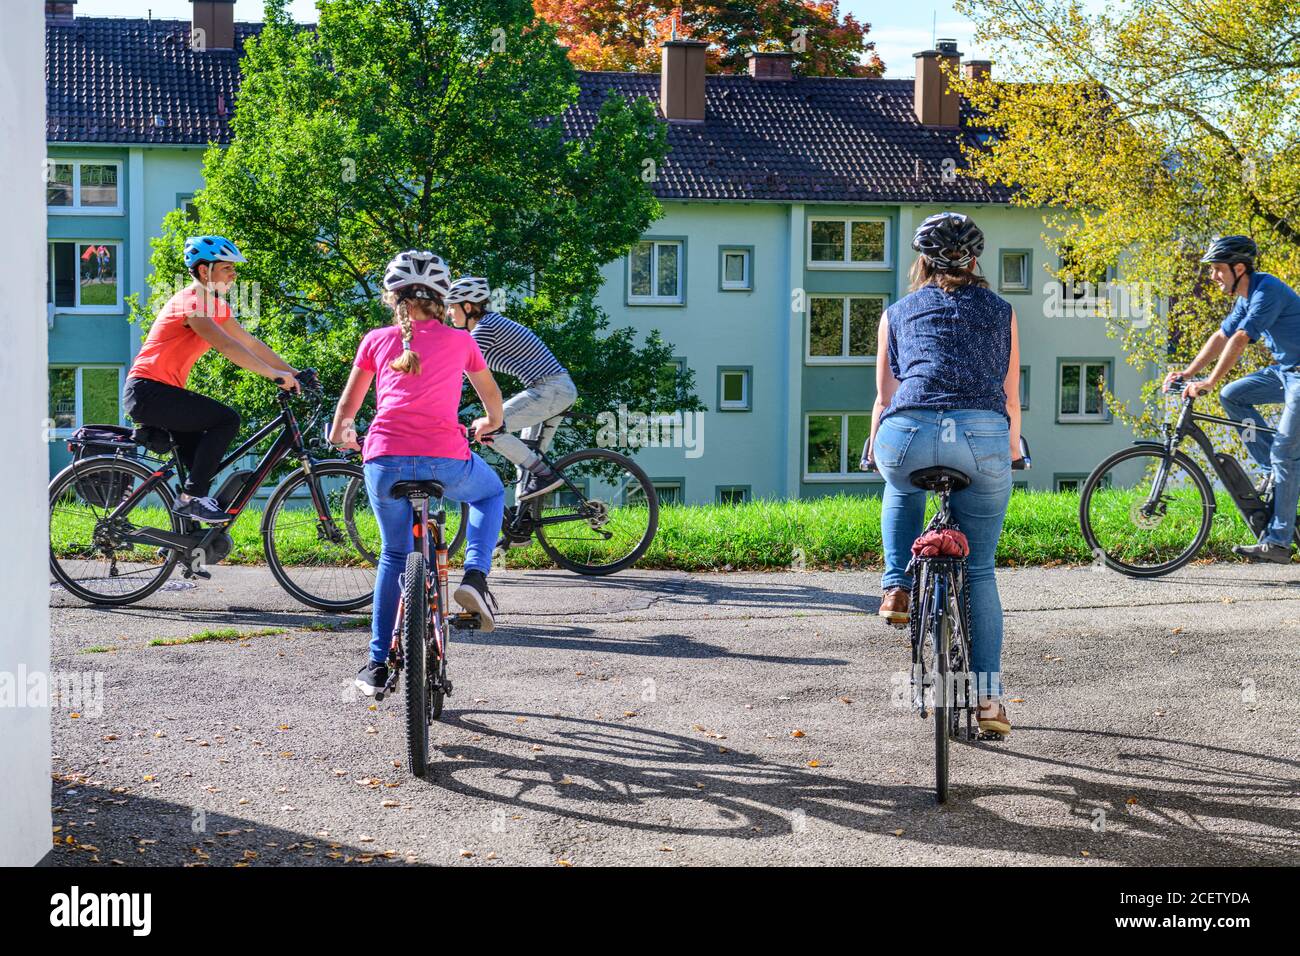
x=208, y=510
x=372, y=678
x=541, y=479
x=1264, y=551
x=473, y=595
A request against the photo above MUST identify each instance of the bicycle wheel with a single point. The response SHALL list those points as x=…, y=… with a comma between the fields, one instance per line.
x=612, y=528
x=89, y=556
x=457, y=524
x=316, y=557
x=415, y=636
x=939, y=637
x=1154, y=526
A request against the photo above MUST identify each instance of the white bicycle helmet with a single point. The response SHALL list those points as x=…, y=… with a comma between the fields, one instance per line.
x=469, y=289
x=416, y=274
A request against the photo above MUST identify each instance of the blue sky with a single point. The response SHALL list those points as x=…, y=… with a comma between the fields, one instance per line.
x=898, y=29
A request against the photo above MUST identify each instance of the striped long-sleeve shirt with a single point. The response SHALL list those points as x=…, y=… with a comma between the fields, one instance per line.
x=510, y=348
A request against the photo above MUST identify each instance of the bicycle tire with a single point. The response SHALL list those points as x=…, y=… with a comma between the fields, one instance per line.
x=458, y=541
x=652, y=505
x=1093, y=482
x=275, y=508
x=415, y=636
x=940, y=635
x=82, y=470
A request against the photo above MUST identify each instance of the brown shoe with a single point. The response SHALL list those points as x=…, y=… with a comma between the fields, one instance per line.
x=893, y=606
x=998, y=723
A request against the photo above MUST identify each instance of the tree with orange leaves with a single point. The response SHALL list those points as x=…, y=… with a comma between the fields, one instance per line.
x=625, y=34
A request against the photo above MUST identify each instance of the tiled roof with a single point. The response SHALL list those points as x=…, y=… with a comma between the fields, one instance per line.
x=802, y=140
x=108, y=79
x=810, y=139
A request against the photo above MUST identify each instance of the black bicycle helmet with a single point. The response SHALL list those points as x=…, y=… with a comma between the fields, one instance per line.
x=1231, y=250
x=950, y=240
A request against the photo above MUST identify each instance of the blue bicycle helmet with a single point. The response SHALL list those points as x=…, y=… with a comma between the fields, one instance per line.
x=209, y=249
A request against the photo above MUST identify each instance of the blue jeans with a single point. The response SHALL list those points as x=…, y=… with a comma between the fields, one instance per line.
x=1279, y=453
x=978, y=444
x=470, y=481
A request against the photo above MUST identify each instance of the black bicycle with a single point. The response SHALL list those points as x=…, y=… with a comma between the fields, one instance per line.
x=1158, y=519
x=114, y=538
x=602, y=521
x=422, y=629
x=942, y=683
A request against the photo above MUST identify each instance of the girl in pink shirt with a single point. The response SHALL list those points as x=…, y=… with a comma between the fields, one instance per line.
x=417, y=364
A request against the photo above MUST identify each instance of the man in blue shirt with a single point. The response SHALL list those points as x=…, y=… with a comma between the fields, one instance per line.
x=1267, y=308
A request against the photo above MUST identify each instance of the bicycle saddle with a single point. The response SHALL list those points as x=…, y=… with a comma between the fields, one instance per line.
x=412, y=489
x=152, y=437
x=932, y=478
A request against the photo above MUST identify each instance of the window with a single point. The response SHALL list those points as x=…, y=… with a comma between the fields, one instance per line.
x=671, y=491
x=843, y=329
x=83, y=276
x=733, y=494
x=1080, y=285
x=734, y=269
x=1013, y=275
x=1024, y=386
x=848, y=243
x=185, y=202
x=833, y=444
x=1079, y=391
x=85, y=394
x=78, y=186
x=1074, y=483
x=733, y=389
x=656, y=273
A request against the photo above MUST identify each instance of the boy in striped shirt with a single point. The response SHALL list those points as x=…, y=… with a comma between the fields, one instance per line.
x=512, y=349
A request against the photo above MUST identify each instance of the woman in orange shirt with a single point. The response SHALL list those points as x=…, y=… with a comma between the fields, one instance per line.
x=193, y=321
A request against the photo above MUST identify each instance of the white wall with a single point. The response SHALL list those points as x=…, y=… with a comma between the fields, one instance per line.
x=24, y=583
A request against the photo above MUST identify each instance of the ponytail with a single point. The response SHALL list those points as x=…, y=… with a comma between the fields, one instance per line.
x=409, y=361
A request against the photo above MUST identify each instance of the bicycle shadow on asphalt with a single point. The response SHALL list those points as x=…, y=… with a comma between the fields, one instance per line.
x=1192, y=579
x=575, y=637
x=691, y=589
x=593, y=769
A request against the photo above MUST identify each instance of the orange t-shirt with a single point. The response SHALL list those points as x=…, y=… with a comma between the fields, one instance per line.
x=173, y=347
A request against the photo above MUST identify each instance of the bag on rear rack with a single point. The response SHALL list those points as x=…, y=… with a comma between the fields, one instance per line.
x=105, y=489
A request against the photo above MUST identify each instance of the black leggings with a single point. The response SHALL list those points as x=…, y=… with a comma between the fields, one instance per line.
x=203, y=427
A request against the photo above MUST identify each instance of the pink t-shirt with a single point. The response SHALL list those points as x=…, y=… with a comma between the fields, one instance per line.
x=417, y=414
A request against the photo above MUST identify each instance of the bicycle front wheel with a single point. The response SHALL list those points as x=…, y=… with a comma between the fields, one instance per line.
x=1153, y=526
x=613, y=527
x=104, y=559
x=939, y=637
x=326, y=559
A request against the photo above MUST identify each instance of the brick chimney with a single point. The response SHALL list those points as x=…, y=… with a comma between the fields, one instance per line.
x=771, y=66
x=934, y=103
x=681, y=81
x=60, y=11
x=977, y=69
x=213, y=25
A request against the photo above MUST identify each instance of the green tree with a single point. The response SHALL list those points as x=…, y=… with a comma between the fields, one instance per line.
x=1150, y=128
x=403, y=124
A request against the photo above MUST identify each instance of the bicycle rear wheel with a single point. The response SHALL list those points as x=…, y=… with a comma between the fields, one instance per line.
x=328, y=560
x=89, y=554
x=614, y=527
x=415, y=660
x=939, y=637
x=1156, y=525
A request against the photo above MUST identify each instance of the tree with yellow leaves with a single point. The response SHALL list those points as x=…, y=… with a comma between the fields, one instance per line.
x=1149, y=128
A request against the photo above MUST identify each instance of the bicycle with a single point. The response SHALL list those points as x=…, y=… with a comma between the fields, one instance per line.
x=1162, y=521
x=586, y=533
x=942, y=684
x=421, y=631
x=114, y=539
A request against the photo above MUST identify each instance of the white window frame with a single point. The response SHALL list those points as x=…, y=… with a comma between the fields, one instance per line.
x=680, y=297
x=847, y=460
x=1065, y=417
x=77, y=209
x=847, y=262
x=80, y=309
x=843, y=358
x=79, y=417
x=1005, y=286
x=745, y=402
x=747, y=283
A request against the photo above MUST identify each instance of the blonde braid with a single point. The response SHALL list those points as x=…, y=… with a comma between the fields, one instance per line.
x=409, y=361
